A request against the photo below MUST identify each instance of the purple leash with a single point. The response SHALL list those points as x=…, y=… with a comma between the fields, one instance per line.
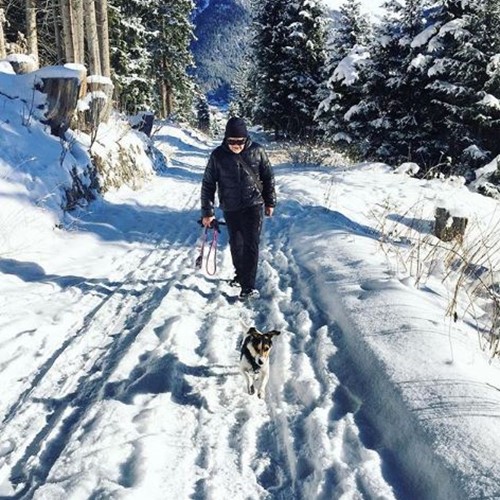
x=213, y=247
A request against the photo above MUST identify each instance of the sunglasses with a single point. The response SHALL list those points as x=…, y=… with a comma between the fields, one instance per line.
x=236, y=142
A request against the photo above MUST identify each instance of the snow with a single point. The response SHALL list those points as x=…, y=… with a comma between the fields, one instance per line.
x=6, y=67
x=347, y=69
x=103, y=80
x=408, y=167
x=490, y=101
x=475, y=152
x=424, y=37
x=119, y=362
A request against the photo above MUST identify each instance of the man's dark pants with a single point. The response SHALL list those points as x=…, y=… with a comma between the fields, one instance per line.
x=243, y=227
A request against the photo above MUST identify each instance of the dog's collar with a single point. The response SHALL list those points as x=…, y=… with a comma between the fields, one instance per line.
x=248, y=355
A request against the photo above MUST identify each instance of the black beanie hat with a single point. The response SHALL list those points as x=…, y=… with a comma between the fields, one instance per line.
x=236, y=127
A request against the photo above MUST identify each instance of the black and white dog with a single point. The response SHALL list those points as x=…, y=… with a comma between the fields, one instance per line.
x=254, y=359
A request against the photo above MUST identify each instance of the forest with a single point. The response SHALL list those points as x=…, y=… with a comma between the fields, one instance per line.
x=419, y=84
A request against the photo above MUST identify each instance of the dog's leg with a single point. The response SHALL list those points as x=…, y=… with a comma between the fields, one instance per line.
x=249, y=382
x=263, y=379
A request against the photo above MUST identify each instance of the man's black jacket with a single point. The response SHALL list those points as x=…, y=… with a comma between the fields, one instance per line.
x=236, y=188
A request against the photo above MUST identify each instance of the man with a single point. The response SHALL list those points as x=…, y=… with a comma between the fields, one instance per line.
x=240, y=171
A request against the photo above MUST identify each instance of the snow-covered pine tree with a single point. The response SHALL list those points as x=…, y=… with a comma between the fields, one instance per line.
x=172, y=56
x=391, y=117
x=340, y=89
x=150, y=54
x=305, y=54
x=489, y=106
x=131, y=59
x=290, y=54
x=202, y=113
x=244, y=93
x=271, y=21
x=465, y=90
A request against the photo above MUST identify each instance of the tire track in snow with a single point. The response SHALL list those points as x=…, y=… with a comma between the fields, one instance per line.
x=47, y=365
x=119, y=317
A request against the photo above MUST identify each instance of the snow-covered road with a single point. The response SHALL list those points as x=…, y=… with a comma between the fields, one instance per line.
x=120, y=363
x=122, y=366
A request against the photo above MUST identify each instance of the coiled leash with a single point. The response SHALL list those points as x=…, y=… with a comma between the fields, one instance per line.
x=215, y=226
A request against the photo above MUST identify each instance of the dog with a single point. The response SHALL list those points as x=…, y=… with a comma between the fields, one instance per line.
x=254, y=359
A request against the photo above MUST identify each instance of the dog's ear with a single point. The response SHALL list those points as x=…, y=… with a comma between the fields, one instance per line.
x=253, y=331
x=272, y=333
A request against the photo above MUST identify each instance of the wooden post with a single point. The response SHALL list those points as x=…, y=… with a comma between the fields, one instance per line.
x=100, y=95
x=447, y=227
x=62, y=88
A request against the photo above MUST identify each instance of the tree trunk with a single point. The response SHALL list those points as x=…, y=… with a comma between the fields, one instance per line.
x=169, y=100
x=31, y=29
x=67, y=36
x=166, y=91
x=73, y=32
x=3, y=52
x=57, y=33
x=62, y=97
x=103, y=32
x=92, y=37
x=78, y=30
x=100, y=98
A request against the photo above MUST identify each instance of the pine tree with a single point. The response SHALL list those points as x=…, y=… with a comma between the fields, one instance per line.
x=203, y=113
x=465, y=90
x=489, y=106
x=391, y=117
x=290, y=54
x=351, y=28
x=244, y=94
x=131, y=58
x=172, y=56
x=346, y=53
x=272, y=19
x=303, y=72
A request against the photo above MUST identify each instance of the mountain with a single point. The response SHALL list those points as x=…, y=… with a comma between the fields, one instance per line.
x=223, y=35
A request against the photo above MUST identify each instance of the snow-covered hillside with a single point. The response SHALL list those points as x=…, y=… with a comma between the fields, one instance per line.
x=119, y=361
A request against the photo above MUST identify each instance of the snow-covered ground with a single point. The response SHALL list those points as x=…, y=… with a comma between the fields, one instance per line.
x=119, y=361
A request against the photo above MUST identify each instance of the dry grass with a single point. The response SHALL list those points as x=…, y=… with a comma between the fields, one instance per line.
x=469, y=268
